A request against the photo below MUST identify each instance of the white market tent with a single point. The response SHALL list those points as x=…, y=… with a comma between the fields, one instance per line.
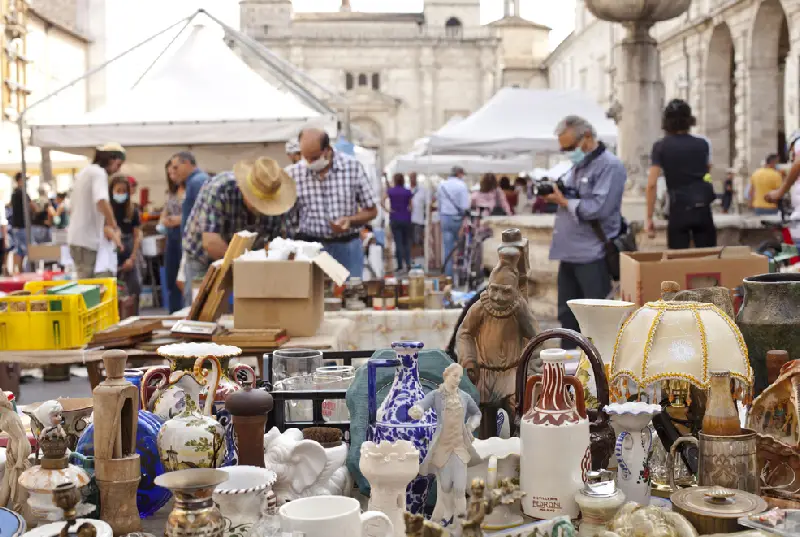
x=203, y=94
x=59, y=161
x=472, y=164
x=521, y=121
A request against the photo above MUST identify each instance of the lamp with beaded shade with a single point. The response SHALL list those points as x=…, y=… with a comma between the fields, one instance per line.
x=682, y=341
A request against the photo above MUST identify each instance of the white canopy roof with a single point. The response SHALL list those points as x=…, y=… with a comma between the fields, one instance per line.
x=203, y=94
x=517, y=121
x=442, y=164
x=11, y=163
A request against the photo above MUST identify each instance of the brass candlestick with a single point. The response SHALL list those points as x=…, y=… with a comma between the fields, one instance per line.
x=67, y=497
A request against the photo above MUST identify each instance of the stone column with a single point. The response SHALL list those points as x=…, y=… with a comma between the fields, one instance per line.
x=640, y=76
x=427, y=74
x=642, y=100
x=740, y=161
x=790, y=94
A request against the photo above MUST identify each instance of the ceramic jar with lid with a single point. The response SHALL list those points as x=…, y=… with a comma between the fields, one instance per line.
x=716, y=509
x=599, y=501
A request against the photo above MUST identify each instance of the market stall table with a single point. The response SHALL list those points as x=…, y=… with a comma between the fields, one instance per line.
x=378, y=329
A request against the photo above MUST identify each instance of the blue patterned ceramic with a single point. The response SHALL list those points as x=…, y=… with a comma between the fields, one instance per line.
x=391, y=421
x=11, y=524
x=149, y=497
x=134, y=376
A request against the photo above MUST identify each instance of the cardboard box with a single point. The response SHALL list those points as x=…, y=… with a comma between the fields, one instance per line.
x=44, y=252
x=641, y=273
x=283, y=294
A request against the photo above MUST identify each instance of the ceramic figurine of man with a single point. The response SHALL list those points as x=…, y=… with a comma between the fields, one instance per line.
x=451, y=448
x=492, y=337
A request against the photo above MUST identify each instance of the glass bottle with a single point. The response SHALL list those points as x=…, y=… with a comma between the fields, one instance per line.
x=416, y=287
x=721, y=417
x=269, y=524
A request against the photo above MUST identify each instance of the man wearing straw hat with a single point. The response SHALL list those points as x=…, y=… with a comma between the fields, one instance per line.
x=252, y=197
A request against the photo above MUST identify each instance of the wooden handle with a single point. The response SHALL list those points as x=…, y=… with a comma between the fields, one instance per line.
x=580, y=403
x=601, y=381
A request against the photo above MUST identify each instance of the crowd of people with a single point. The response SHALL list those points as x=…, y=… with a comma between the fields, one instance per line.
x=326, y=196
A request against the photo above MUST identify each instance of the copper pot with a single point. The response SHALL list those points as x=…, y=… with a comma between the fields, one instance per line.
x=602, y=436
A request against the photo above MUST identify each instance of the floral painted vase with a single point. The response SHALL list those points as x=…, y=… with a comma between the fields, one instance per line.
x=391, y=421
x=149, y=497
x=634, y=448
x=165, y=399
x=193, y=438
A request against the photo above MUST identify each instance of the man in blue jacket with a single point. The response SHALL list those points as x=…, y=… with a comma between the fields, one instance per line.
x=184, y=170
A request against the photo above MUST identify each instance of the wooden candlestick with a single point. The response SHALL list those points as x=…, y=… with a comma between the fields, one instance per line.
x=116, y=416
x=249, y=409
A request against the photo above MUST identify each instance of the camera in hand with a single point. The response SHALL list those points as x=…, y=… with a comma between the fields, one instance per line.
x=545, y=187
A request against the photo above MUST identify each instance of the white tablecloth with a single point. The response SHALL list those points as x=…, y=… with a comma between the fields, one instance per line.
x=378, y=329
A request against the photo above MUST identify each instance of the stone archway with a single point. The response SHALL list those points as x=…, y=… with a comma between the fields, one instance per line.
x=719, y=99
x=769, y=47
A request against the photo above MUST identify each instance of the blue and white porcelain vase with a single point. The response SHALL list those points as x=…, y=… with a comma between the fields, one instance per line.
x=391, y=421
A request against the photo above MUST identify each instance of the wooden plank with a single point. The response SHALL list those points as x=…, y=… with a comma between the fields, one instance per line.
x=221, y=286
x=202, y=295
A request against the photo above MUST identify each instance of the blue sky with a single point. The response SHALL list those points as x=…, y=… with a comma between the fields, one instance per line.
x=140, y=24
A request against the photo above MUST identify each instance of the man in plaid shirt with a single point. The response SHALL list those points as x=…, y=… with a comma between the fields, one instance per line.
x=334, y=199
x=241, y=200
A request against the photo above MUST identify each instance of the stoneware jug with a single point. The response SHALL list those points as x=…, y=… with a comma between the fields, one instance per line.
x=603, y=438
x=193, y=438
x=554, y=436
x=391, y=421
x=768, y=319
x=634, y=447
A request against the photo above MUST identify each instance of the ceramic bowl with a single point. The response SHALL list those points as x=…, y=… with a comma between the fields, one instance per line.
x=77, y=416
x=245, y=479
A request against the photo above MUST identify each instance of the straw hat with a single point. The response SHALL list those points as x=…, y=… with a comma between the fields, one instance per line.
x=111, y=147
x=265, y=185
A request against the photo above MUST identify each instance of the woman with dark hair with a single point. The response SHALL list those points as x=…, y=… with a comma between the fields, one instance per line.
x=490, y=200
x=399, y=210
x=512, y=196
x=127, y=217
x=684, y=161
x=170, y=224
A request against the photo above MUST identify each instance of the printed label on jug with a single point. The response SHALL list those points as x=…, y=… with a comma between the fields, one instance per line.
x=545, y=504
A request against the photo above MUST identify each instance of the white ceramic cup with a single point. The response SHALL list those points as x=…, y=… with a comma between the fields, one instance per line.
x=326, y=516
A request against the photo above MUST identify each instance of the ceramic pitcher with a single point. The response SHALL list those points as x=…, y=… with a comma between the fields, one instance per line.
x=554, y=436
x=193, y=438
x=391, y=421
x=634, y=447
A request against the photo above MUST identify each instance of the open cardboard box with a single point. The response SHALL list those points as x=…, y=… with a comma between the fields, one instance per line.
x=641, y=273
x=283, y=294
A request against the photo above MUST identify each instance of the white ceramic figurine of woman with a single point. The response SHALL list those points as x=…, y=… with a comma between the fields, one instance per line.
x=451, y=448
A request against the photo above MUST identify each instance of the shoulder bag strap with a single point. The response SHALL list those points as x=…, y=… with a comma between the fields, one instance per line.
x=455, y=205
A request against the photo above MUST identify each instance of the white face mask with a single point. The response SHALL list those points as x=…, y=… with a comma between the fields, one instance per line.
x=318, y=165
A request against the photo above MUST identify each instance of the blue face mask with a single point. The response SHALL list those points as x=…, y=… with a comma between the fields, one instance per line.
x=161, y=229
x=576, y=155
x=120, y=198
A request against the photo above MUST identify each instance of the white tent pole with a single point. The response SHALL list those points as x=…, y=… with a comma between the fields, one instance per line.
x=279, y=64
x=160, y=54
x=87, y=74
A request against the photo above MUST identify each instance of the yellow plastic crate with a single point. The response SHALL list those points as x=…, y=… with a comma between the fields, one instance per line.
x=52, y=322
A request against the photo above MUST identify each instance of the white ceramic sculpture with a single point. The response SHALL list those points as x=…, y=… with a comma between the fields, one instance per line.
x=303, y=467
x=240, y=497
x=451, y=448
x=389, y=467
x=600, y=321
x=634, y=447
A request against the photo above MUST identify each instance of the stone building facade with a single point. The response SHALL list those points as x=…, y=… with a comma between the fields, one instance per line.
x=403, y=75
x=737, y=62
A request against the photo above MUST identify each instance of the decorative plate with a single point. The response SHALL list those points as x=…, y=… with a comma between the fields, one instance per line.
x=11, y=524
